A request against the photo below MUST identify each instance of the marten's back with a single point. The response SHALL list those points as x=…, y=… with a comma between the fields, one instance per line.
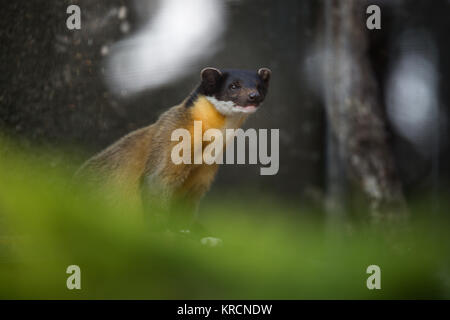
x=125, y=162
x=121, y=163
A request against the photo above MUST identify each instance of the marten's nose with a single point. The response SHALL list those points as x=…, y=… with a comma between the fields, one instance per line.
x=253, y=96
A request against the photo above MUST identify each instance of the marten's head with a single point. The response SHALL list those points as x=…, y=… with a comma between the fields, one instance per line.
x=234, y=91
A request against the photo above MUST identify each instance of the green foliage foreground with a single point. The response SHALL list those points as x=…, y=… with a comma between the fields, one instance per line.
x=45, y=226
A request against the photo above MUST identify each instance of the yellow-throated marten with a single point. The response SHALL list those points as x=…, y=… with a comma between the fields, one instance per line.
x=140, y=163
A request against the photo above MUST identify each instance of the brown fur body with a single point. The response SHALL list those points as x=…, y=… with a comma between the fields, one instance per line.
x=140, y=162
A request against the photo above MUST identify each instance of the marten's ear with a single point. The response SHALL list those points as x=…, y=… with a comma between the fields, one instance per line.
x=264, y=74
x=210, y=79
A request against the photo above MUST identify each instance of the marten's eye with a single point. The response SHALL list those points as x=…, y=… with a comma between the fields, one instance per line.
x=234, y=86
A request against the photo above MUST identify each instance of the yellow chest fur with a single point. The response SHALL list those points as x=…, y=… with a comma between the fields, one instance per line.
x=203, y=110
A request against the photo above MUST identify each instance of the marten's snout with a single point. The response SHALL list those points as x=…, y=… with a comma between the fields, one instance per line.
x=254, y=96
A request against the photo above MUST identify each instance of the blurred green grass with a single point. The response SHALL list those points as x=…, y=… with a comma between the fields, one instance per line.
x=270, y=251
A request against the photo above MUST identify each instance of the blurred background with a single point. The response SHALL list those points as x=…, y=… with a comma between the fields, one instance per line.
x=363, y=114
x=132, y=60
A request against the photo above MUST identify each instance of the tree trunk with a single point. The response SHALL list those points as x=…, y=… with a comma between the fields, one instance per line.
x=358, y=153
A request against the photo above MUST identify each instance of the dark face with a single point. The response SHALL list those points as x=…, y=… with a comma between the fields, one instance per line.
x=243, y=87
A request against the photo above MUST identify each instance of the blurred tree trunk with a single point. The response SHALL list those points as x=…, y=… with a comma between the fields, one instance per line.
x=359, y=158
